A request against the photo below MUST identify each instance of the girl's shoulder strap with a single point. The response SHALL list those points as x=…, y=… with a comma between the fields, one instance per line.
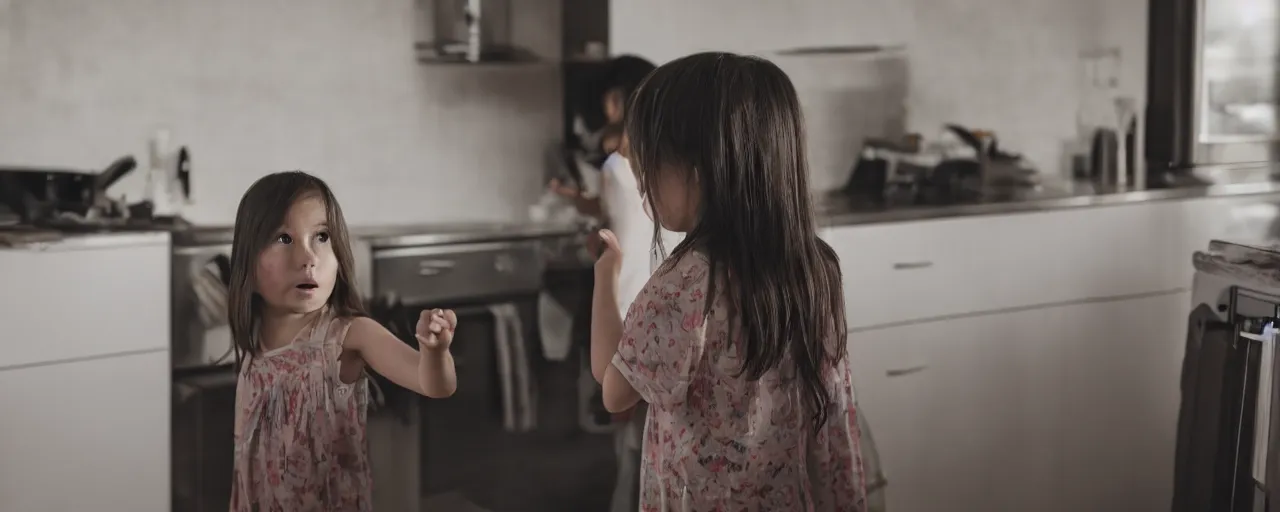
x=332, y=329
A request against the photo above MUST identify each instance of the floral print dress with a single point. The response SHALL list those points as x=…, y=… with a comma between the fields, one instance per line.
x=300, y=431
x=714, y=441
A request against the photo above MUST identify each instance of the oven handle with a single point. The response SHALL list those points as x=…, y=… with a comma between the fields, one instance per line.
x=435, y=267
x=438, y=250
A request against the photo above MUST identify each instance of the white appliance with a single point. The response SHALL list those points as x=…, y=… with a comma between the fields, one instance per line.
x=1227, y=421
x=848, y=95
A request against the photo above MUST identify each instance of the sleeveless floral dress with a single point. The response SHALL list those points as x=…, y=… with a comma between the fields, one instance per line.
x=300, y=442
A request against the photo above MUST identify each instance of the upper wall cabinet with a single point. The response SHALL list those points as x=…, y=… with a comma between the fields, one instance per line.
x=661, y=30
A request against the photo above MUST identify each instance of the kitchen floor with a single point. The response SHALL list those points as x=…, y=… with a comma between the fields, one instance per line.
x=554, y=468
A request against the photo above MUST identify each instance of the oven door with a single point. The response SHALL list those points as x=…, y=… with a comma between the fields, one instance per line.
x=473, y=450
x=203, y=432
x=509, y=438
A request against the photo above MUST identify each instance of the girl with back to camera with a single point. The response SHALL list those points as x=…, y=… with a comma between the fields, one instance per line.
x=737, y=343
x=302, y=344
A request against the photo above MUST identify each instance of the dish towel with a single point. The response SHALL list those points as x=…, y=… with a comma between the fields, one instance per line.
x=555, y=328
x=519, y=407
x=210, y=285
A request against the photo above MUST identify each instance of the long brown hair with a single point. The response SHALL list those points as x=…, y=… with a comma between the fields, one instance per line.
x=735, y=121
x=258, y=219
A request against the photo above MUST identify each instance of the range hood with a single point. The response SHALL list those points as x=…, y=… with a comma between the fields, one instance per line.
x=468, y=32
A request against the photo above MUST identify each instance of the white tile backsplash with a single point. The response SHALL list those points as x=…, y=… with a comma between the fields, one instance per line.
x=332, y=86
x=254, y=86
x=1005, y=65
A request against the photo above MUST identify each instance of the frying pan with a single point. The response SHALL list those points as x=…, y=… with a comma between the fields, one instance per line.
x=35, y=193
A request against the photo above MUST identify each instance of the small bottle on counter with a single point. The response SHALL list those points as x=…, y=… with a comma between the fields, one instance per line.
x=157, y=182
x=164, y=190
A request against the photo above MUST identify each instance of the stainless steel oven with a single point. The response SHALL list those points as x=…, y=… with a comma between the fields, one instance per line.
x=509, y=438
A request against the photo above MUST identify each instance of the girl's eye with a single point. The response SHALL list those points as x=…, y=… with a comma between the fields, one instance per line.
x=323, y=237
x=284, y=239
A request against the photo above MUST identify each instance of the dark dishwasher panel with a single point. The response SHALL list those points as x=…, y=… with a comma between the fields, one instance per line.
x=453, y=273
x=1221, y=464
x=203, y=434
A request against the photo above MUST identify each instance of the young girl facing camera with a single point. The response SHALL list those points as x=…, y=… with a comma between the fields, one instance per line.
x=738, y=341
x=302, y=344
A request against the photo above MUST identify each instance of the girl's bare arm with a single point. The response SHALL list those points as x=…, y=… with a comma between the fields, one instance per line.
x=428, y=372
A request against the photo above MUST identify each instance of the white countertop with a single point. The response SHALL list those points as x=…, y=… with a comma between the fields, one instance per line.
x=88, y=241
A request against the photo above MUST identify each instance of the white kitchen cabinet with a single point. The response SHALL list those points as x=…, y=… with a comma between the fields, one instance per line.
x=959, y=412
x=86, y=435
x=87, y=296
x=887, y=369
x=764, y=28
x=896, y=272
x=1123, y=364
x=1037, y=355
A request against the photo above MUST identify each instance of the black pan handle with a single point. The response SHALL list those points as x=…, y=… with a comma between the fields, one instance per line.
x=966, y=135
x=118, y=169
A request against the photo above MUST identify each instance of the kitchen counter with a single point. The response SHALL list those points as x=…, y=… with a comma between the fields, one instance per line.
x=836, y=210
x=833, y=210
x=459, y=233
x=54, y=241
x=408, y=235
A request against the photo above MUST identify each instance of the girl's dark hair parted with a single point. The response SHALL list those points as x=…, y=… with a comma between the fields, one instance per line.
x=735, y=122
x=258, y=220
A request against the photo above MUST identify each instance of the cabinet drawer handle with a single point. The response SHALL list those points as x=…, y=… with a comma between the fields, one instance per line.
x=434, y=267
x=912, y=265
x=905, y=371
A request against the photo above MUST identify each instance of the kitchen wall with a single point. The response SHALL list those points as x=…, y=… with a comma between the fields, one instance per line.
x=253, y=86
x=1007, y=65
x=332, y=86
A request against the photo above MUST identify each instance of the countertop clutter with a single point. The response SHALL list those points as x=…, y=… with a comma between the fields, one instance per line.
x=838, y=209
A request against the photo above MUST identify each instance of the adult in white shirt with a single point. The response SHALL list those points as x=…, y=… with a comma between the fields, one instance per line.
x=624, y=207
x=623, y=210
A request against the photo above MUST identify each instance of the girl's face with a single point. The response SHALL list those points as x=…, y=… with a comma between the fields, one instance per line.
x=678, y=198
x=297, y=270
x=614, y=104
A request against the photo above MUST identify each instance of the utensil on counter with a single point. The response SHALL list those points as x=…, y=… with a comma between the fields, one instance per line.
x=1132, y=155
x=1104, y=157
x=184, y=173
